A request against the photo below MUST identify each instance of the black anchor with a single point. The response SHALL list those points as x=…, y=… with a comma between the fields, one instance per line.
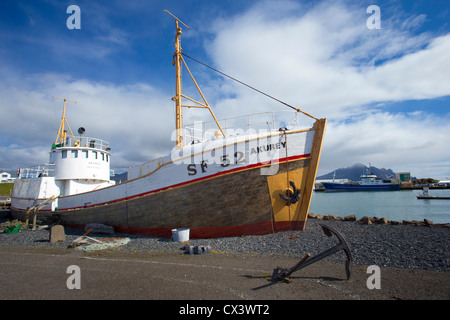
x=291, y=197
x=283, y=274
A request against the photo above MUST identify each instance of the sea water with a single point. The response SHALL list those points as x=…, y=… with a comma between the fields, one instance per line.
x=392, y=205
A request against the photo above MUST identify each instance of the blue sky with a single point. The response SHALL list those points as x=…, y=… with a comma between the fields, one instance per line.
x=386, y=92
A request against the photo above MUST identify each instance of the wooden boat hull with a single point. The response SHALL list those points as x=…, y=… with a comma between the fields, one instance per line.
x=231, y=205
x=223, y=201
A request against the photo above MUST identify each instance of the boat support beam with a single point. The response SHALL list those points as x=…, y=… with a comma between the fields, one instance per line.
x=36, y=208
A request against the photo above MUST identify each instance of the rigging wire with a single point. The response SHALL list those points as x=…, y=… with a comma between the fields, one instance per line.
x=243, y=83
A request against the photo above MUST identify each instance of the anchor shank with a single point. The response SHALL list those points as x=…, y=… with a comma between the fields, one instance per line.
x=298, y=265
x=320, y=256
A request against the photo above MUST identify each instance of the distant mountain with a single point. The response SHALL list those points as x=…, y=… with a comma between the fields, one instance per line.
x=355, y=171
x=119, y=177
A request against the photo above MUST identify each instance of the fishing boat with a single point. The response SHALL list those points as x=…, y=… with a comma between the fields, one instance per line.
x=427, y=196
x=217, y=181
x=369, y=182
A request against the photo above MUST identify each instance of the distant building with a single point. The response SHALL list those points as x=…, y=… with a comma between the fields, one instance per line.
x=403, y=176
x=443, y=183
x=6, y=177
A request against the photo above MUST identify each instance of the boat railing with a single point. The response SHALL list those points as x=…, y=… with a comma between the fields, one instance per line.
x=88, y=142
x=43, y=170
x=145, y=168
x=264, y=122
x=254, y=123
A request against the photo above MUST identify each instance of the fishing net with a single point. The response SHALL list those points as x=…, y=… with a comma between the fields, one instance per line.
x=104, y=245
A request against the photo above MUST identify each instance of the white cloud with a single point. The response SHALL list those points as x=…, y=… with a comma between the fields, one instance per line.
x=420, y=75
x=324, y=60
x=413, y=142
x=131, y=118
x=321, y=58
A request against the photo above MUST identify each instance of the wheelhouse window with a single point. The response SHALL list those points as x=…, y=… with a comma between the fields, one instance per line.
x=85, y=153
x=74, y=153
x=64, y=154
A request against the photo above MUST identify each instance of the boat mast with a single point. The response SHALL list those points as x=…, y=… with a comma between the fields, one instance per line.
x=62, y=133
x=177, y=98
x=178, y=60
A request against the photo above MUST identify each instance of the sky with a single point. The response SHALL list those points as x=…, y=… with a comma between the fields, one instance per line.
x=380, y=77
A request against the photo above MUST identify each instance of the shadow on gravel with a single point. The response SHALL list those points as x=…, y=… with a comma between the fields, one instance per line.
x=267, y=277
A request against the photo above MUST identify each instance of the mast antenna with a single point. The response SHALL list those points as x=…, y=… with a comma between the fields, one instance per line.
x=165, y=10
x=62, y=133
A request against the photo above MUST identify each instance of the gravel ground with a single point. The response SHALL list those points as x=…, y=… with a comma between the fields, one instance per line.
x=401, y=246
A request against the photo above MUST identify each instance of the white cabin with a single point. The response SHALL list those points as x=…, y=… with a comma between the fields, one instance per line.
x=77, y=166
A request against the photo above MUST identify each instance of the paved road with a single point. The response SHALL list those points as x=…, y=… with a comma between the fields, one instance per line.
x=42, y=273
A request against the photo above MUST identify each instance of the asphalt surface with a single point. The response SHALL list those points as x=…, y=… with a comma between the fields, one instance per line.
x=43, y=274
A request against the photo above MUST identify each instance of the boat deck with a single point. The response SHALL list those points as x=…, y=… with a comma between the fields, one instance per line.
x=433, y=197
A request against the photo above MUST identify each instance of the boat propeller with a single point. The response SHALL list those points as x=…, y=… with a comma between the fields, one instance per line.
x=291, y=196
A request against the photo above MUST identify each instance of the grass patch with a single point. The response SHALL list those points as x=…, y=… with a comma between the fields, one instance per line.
x=6, y=188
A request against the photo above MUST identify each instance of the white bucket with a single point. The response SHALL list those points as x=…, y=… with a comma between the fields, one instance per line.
x=180, y=235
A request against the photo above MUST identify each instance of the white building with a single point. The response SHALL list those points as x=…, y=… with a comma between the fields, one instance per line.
x=6, y=177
